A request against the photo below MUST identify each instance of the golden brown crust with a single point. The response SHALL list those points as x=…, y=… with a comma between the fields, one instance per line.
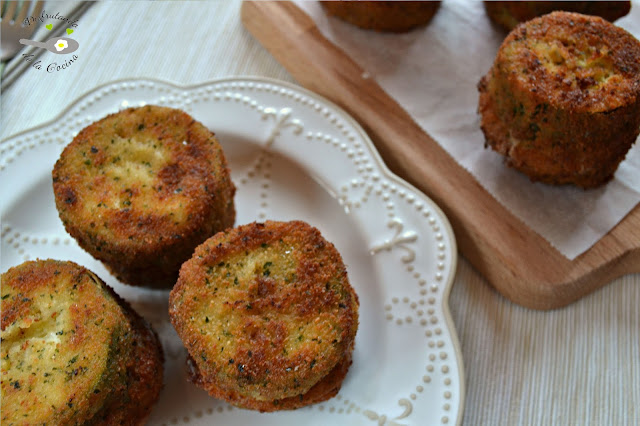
x=508, y=14
x=75, y=352
x=326, y=388
x=562, y=100
x=140, y=189
x=388, y=16
x=265, y=310
x=57, y=353
x=144, y=372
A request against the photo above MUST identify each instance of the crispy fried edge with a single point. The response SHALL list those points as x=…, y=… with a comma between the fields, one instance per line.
x=326, y=388
x=144, y=375
x=530, y=161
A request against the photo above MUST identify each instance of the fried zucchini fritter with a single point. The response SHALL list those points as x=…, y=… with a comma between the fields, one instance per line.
x=266, y=312
x=62, y=336
x=562, y=100
x=383, y=16
x=508, y=14
x=140, y=189
x=69, y=346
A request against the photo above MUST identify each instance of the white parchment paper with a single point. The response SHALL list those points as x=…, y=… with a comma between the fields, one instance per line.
x=433, y=72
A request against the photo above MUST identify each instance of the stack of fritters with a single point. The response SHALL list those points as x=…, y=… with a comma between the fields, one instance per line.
x=268, y=316
x=73, y=352
x=562, y=100
x=140, y=189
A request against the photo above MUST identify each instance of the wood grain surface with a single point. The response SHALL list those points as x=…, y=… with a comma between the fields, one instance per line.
x=518, y=262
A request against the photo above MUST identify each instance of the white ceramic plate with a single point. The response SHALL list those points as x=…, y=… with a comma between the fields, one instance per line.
x=293, y=155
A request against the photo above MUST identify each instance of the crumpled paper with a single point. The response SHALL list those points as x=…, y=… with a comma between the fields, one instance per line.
x=433, y=73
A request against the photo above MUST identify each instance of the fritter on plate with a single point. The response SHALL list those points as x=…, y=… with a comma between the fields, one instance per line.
x=140, y=189
x=73, y=352
x=266, y=312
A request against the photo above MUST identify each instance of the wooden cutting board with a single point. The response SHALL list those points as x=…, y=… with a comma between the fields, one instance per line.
x=518, y=262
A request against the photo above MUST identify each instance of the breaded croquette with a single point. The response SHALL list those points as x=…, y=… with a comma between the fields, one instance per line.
x=562, y=100
x=72, y=351
x=266, y=312
x=140, y=189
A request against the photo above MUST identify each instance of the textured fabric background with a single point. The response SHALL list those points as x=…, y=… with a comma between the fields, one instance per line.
x=574, y=366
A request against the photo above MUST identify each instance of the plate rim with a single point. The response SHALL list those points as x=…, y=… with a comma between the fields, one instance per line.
x=384, y=169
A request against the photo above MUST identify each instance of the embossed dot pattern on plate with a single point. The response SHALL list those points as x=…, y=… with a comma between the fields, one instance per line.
x=404, y=231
